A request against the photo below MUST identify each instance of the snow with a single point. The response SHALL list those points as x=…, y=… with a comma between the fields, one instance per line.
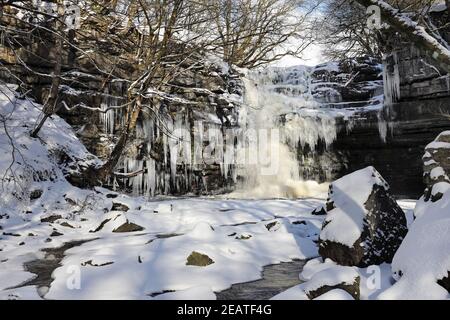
x=440, y=187
x=437, y=145
x=144, y=263
x=438, y=7
x=330, y=67
x=313, y=266
x=24, y=293
x=437, y=172
x=334, y=275
x=336, y=294
x=374, y=280
x=429, y=162
x=424, y=255
x=344, y=223
x=24, y=160
x=294, y=293
x=163, y=260
x=408, y=206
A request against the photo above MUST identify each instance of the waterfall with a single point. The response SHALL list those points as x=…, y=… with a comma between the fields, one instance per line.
x=279, y=116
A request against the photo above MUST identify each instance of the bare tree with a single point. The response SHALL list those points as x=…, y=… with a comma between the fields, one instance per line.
x=252, y=33
x=343, y=31
x=345, y=26
x=50, y=106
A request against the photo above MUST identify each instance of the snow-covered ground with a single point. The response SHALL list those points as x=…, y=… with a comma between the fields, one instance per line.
x=240, y=236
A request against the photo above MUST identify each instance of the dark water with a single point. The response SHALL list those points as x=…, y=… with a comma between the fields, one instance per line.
x=43, y=268
x=275, y=279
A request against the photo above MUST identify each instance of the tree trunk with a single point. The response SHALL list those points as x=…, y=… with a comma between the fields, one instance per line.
x=413, y=31
x=52, y=99
x=108, y=167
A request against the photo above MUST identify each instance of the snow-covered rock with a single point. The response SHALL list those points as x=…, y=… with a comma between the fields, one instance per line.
x=422, y=263
x=314, y=266
x=364, y=224
x=336, y=294
x=335, y=277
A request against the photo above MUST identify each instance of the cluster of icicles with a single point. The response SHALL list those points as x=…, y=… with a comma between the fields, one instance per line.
x=274, y=99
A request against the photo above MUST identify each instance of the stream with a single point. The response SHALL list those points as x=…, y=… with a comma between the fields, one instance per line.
x=275, y=279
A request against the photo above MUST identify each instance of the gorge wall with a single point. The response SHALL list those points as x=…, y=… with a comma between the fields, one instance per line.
x=416, y=109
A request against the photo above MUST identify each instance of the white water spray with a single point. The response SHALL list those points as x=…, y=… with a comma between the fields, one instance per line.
x=275, y=174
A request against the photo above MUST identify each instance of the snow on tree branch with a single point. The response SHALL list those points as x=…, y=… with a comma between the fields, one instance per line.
x=413, y=30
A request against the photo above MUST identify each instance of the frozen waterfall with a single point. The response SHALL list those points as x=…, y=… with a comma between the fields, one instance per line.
x=279, y=108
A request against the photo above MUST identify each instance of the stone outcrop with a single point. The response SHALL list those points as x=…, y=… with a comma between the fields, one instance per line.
x=409, y=125
x=335, y=277
x=128, y=227
x=364, y=224
x=347, y=83
x=417, y=114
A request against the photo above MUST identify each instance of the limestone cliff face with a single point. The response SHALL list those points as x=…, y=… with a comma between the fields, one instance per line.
x=204, y=90
x=416, y=109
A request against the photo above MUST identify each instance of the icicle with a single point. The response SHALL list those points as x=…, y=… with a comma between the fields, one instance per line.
x=391, y=82
x=382, y=126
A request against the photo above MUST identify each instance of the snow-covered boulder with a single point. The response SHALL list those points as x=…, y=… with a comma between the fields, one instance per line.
x=364, y=224
x=335, y=277
x=422, y=263
x=336, y=294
